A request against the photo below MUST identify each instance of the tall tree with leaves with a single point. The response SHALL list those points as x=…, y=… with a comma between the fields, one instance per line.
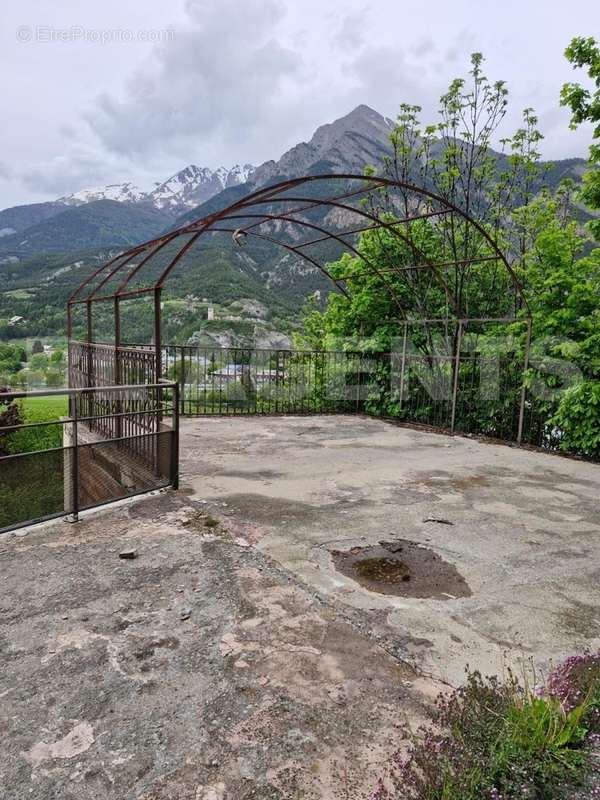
x=454, y=158
x=585, y=107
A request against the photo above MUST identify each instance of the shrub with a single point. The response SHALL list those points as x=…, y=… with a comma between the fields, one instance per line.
x=495, y=740
x=578, y=417
x=577, y=680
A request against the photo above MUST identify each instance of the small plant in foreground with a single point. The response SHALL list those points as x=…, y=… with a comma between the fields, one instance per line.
x=494, y=739
x=575, y=680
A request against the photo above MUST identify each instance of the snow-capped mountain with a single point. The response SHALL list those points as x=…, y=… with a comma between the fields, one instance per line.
x=194, y=185
x=121, y=192
x=186, y=189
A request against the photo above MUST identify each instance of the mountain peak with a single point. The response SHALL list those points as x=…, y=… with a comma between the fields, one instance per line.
x=346, y=145
x=193, y=185
x=185, y=189
x=362, y=120
x=121, y=192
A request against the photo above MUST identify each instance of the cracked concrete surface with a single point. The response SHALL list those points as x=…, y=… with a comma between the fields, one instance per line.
x=525, y=533
x=289, y=679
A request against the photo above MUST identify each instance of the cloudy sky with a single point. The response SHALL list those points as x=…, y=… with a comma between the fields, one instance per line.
x=97, y=93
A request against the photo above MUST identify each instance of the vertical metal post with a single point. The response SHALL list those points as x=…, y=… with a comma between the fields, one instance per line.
x=456, y=371
x=175, y=439
x=523, y=387
x=118, y=375
x=90, y=359
x=277, y=380
x=403, y=366
x=157, y=333
x=70, y=354
x=117, y=322
x=75, y=466
x=90, y=331
x=182, y=380
x=157, y=352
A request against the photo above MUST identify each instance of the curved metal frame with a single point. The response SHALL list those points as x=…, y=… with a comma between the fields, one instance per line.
x=248, y=209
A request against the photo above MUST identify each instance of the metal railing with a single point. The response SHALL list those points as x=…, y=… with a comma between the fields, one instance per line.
x=446, y=389
x=239, y=380
x=113, y=442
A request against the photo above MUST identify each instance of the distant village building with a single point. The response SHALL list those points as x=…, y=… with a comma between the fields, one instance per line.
x=232, y=373
x=210, y=313
x=15, y=320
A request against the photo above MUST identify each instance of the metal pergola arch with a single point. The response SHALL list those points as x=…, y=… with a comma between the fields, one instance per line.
x=259, y=209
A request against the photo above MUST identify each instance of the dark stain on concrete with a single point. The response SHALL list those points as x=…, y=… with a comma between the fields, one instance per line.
x=403, y=569
x=407, y=496
x=451, y=481
x=265, y=510
x=255, y=475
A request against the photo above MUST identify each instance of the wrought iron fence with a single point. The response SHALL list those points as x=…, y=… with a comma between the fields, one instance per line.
x=220, y=381
x=113, y=442
x=477, y=392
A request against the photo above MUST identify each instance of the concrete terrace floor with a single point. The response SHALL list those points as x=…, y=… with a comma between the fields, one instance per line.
x=289, y=679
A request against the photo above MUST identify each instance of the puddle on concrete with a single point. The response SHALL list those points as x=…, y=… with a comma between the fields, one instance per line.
x=403, y=569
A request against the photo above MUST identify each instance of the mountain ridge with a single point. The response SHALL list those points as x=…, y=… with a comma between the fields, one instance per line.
x=100, y=223
x=35, y=286
x=185, y=189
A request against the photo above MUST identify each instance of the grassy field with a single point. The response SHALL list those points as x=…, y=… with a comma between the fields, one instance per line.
x=42, y=409
x=31, y=487
x=45, y=437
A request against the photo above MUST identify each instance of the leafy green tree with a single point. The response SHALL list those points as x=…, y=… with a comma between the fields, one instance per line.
x=557, y=266
x=38, y=362
x=55, y=378
x=585, y=107
x=11, y=357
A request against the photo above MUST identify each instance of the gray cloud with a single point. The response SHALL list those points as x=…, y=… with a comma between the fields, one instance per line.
x=381, y=72
x=243, y=80
x=224, y=78
x=353, y=31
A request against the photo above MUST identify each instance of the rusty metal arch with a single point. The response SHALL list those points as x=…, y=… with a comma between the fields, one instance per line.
x=257, y=209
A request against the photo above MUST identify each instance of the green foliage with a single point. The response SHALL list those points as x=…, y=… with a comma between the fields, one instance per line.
x=97, y=224
x=495, y=740
x=556, y=265
x=585, y=107
x=561, y=283
x=46, y=436
x=38, y=361
x=578, y=417
x=11, y=357
x=31, y=488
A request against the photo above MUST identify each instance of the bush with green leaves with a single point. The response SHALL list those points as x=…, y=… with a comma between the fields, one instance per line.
x=494, y=739
x=578, y=419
